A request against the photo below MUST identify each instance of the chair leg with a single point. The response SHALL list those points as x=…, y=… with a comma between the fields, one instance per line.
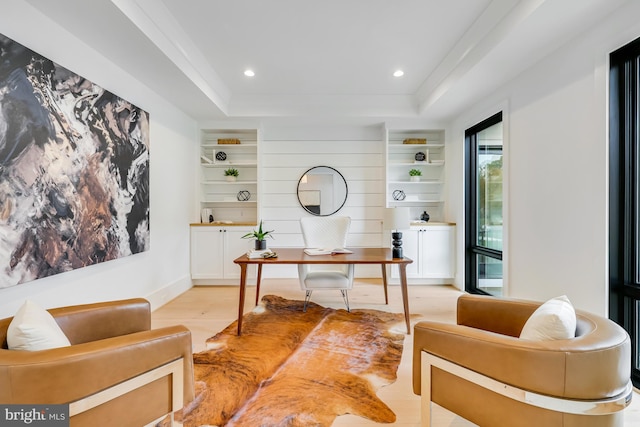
x=307, y=297
x=345, y=297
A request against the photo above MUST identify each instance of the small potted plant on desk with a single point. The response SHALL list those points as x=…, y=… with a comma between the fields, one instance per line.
x=415, y=174
x=260, y=236
x=231, y=174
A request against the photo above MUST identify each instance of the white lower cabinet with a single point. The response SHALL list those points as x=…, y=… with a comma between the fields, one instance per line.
x=213, y=250
x=432, y=249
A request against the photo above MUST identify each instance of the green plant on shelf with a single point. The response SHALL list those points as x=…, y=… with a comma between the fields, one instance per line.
x=415, y=172
x=231, y=172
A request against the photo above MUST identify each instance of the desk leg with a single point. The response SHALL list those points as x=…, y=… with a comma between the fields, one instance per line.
x=405, y=297
x=258, y=283
x=384, y=282
x=243, y=287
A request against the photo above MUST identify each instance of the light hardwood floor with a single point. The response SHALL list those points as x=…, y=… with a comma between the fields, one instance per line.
x=206, y=310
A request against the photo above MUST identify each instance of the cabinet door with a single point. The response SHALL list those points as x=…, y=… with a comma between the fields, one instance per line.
x=234, y=246
x=206, y=253
x=438, y=252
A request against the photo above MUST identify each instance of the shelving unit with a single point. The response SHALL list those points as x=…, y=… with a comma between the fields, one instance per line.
x=220, y=195
x=427, y=193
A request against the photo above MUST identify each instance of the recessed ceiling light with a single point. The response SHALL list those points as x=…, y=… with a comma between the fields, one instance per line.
x=398, y=73
x=249, y=73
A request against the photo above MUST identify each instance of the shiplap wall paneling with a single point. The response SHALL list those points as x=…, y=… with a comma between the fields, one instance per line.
x=357, y=156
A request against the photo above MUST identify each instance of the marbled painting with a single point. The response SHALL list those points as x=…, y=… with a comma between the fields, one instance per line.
x=74, y=170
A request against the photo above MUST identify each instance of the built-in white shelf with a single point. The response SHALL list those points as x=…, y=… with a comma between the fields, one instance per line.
x=434, y=182
x=218, y=194
x=428, y=158
x=221, y=182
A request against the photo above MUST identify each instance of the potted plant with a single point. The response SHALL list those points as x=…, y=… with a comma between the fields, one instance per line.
x=415, y=175
x=231, y=174
x=260, y=236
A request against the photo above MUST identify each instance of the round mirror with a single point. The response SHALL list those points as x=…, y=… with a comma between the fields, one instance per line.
x=322, y=191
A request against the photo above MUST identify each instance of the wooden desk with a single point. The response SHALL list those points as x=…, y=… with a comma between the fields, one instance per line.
x=380, y=256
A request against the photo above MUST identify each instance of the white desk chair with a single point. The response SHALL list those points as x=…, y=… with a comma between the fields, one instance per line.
x=328, y=233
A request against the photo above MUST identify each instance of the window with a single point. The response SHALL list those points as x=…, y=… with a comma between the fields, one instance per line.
x=624, y=195
x=483, y=213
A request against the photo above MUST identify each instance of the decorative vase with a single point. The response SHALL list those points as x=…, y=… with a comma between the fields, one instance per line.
x=424, y=217
x=260, y=245
x=396, y=241
x=415, y=179
x=207, y=215
x=231, y=178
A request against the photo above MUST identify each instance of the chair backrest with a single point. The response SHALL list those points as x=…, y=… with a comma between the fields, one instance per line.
x=327, y=232
x=95, y=321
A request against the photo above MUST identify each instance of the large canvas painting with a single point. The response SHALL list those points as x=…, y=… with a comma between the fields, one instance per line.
x=74, y=170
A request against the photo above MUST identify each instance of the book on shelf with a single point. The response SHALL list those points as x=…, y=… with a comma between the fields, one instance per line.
x=253, y=253
x=206, y=159
x=321, y=251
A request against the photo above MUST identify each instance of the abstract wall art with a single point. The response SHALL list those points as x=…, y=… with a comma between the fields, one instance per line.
x=74, y=170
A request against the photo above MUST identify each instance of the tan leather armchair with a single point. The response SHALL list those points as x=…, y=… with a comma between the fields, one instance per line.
x=480, y=369
x=117, y=370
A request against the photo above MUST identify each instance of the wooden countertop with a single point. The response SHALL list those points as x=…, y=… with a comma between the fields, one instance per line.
x=429, y=223
x=253, y=224
x=223, y=224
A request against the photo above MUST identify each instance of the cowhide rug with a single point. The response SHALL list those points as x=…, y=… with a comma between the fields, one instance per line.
x=291, y=368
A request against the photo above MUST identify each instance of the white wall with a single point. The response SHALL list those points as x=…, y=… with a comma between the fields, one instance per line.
x=357, y=152
x=162, y=272
x=556, y=151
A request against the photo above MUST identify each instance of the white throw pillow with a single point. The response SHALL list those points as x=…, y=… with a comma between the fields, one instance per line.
x=33, y=328
x=553, y=320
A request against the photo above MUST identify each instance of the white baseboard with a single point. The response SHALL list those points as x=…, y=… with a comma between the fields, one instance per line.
x=165, y=294
x=421, y=281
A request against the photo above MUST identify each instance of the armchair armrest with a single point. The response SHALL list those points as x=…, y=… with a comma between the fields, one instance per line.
x=553, y=367
x=532, y=365
x=64, y=375
x=93, y=322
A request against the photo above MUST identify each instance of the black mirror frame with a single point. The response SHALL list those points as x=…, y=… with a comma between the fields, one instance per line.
x=346, y=190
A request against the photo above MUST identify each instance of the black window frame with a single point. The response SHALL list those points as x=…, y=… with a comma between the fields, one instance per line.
x=472, y=250
x=624, y=196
